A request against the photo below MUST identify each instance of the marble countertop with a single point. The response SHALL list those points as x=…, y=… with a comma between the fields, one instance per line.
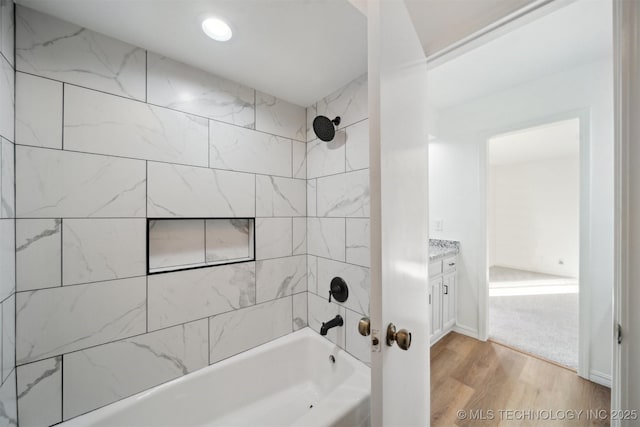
x=442, y=248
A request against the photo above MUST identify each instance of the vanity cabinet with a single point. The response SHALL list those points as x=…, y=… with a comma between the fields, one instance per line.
x=442, y=296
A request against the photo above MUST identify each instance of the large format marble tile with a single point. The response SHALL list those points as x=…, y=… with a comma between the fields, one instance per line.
x=274, y=237
x=312, y=197
x=300, y=311
x=60, y=320
x=7, y=100
x=7, y=258
x=325, y=158
x=349, y=102
x=59, y=50
x=247, y=150
x=8, y=336
x=320, y=310
x=96, y=122
x=7, y=189
x=312, y=112
x=356, y=344
x=277, y=278
x=358, y=241
x=8, y=397
x=40, y=393
x=344, y=195
x=312, y=274
x=101, y=375
x=357, y=279
x=184, y=296
x=102, y=249
x=7, y=27
x=181, y=87
x=279, y=117
x=325, y=237
x=179, y=191
x=174, y=243
x=54, y=184
x=229, y=239
x=299, y=158
x=358, y=146
x=299, y=236
x=280, y=196
x=38, y=243
x=237, y=331
x=38, y=111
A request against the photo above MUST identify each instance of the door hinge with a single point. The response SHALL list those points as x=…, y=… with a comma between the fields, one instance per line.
x=619, y=333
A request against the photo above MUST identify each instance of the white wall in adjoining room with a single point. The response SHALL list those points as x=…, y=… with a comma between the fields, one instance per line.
x=533, y=199
x=455, y=159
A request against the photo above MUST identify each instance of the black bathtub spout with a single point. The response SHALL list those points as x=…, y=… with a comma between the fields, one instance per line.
x=336, y=321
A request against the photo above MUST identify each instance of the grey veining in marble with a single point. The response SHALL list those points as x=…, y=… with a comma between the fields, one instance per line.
x=183, y=296
x=279, y=117
x=441, y=248
x=280, y=277
x=237, y=331
x=7, y=99
x=100, y=123
x=299, y=311
x=184, y=88
x=8, y=400
x=60, y=320
x=349, y=102
x=38, y=111
x=38, y=242
x=7, y=191
x=110, y=372
x=8, y=336
x=40, y=392
x=59, y=50
x=7, y=26
x=175, y=191
x=54, y=184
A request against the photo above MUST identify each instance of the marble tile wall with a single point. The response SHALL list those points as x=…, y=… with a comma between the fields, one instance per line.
x=107, y=135
x=338, y=215
x=8, y=392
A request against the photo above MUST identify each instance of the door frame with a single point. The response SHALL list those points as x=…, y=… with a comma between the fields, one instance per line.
x=626, y=24
x=584, y=283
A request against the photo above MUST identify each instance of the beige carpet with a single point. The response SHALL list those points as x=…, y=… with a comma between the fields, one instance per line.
x=534, y=312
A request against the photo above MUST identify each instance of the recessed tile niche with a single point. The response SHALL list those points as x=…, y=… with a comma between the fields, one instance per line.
x=185, y=243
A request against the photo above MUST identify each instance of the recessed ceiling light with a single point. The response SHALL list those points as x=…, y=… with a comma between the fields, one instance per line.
x=217, y=29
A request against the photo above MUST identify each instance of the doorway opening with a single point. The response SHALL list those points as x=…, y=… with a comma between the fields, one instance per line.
x=533, y=240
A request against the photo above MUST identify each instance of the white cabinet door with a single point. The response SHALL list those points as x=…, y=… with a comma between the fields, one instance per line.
x=449, y=300
x=435, y=285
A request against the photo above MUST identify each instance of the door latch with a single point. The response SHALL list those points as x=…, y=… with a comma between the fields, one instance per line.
x=619, y=331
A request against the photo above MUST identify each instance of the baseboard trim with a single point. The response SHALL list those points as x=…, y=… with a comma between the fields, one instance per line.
x=600, y=378
x=465, y=330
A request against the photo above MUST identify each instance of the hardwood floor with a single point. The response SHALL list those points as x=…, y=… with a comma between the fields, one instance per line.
x=497, y=386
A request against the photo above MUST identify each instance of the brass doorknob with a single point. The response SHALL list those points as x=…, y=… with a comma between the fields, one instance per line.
x=364, y=327
x=402, y=337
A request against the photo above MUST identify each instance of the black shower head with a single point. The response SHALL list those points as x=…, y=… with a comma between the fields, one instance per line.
x=324, y=128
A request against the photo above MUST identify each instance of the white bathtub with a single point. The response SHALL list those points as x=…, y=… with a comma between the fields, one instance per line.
x=289, y=381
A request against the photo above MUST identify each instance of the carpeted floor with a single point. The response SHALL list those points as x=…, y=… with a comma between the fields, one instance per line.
x=535, y=313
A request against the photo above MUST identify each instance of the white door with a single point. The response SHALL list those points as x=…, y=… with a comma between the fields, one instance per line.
x=399, y=223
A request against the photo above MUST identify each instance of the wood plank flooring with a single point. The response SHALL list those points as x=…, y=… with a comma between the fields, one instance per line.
x=498, y=386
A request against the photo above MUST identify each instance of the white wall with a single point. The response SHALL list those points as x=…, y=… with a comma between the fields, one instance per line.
x=455, y=194
x=534, y=212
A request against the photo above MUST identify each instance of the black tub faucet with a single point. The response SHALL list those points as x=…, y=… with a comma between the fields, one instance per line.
x=336, y=321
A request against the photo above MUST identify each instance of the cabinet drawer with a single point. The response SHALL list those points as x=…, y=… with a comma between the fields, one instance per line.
x=435, y=268
x=449, y=264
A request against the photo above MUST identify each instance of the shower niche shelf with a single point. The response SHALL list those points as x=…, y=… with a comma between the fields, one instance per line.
x=175, y=244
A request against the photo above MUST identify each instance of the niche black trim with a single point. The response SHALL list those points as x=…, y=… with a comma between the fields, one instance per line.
x=252, y=236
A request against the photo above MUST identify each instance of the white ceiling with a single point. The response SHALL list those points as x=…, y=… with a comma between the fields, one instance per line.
x=554, y=140
x=439, y=23
x=297, y=50
x=573, y=35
